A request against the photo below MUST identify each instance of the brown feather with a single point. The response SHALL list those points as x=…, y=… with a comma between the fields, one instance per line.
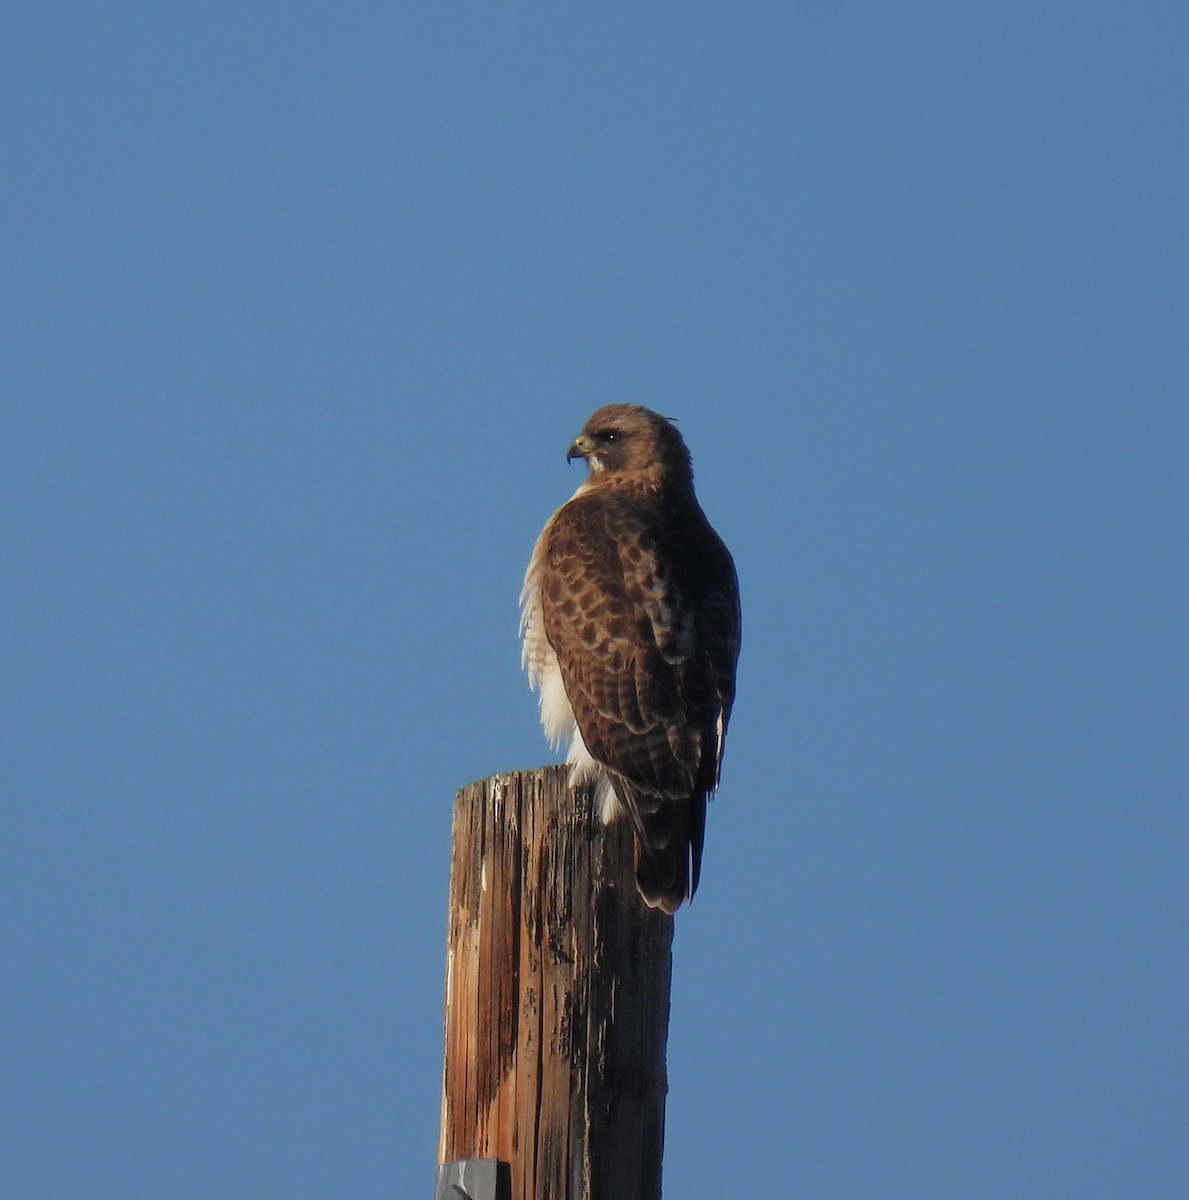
x=639, y=602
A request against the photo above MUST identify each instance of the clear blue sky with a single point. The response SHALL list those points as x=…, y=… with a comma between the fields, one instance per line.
x=301, y=306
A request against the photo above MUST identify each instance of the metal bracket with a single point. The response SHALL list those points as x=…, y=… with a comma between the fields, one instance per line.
x=473, y=1179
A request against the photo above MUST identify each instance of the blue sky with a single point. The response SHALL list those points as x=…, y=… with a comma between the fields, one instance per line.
x=302, y=306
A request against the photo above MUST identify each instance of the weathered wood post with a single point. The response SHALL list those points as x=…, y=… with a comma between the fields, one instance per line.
x=557, y=1000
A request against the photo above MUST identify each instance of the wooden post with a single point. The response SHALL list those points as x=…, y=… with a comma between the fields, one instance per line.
x=557, y=996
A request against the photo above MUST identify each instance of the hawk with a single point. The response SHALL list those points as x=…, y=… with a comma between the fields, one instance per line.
x=630, y=621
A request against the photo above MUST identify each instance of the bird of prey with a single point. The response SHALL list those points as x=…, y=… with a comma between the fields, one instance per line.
x=630, y=620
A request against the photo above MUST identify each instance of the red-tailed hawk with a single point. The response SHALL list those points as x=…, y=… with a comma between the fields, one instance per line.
x=630, y=618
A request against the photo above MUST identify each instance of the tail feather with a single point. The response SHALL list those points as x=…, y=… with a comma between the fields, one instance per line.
x=662, y=877
x=668, y=834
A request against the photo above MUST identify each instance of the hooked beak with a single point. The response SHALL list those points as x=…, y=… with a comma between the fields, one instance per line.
x=580, y=447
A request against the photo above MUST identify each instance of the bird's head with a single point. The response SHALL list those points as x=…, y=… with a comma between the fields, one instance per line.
x=623, y=438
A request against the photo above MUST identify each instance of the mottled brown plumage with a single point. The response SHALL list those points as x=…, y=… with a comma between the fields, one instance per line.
x=631, y=632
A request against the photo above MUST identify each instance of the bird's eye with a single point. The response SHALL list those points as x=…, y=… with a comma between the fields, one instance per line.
x=610, y=436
